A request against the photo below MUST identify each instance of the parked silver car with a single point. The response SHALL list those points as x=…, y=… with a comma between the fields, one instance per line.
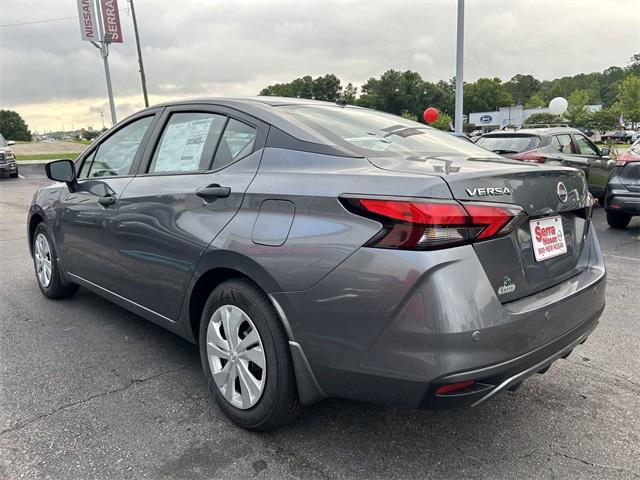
x=316, y=250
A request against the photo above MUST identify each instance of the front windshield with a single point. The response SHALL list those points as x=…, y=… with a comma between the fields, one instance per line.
x=3, y=142
x=373, y=133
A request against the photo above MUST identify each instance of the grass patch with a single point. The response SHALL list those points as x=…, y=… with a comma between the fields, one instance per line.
x=48, y=156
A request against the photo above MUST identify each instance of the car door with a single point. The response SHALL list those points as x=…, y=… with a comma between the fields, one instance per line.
x=191, y=183
x=84, y=232
x=599, y=167
x=563, y=149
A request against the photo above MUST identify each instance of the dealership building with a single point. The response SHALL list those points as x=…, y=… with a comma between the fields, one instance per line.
x=503, y=116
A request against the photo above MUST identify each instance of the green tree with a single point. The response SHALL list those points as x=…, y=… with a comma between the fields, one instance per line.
x=326, y=88
x=535, y=102
x=443, y=122
x=522, y=87
x=408, y=115
x=603, y=120
x=397, y=92
x=629, y=98
x=486, y=94
x=577, y=113
x=350, y=93
x=542, y=117
x=12, y=126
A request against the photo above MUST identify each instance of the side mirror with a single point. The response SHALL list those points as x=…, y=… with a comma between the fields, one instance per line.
x=10, y=142
x=62, y=171
x=604, y=152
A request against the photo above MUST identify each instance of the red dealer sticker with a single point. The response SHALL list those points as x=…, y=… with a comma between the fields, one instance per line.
x=547, y=237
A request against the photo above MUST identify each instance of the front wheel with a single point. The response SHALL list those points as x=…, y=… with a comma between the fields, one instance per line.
x=47, y=269
x=244, y=351
x=618, y=219
x=14, y=174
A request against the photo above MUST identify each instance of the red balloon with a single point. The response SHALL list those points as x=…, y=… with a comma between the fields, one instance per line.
x=431, y=115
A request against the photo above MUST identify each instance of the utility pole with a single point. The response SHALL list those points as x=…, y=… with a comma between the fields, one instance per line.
x=103, y=46
x=459, y=67
x=142, y=76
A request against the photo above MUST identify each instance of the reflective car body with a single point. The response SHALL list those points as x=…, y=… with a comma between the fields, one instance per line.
x=554, y=145
x=321, y=214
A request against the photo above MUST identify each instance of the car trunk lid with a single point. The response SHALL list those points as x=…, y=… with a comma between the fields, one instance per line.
x=510, y=262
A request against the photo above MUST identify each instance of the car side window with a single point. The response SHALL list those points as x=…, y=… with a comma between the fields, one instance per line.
x=86, y=164
x=187, y=143
x=585, y=147
x=237, y=141
x=115, y=155
x=563, y=143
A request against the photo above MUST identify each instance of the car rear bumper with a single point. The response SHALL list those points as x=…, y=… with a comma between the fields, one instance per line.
x=493, y=379
x=391, y=326
x=623, y=201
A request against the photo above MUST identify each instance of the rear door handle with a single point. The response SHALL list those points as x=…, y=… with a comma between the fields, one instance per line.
x=213, y=191
x=107, y=200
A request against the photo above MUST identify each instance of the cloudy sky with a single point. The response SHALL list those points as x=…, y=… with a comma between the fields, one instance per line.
x=213, y=47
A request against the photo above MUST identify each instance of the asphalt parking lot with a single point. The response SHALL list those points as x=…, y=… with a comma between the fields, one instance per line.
x=89, y=390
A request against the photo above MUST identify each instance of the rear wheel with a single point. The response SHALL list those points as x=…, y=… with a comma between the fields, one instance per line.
x=47, y=269
x=245, y=356
x=618, y=219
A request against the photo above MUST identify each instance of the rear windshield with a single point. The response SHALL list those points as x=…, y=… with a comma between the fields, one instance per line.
x=505, y=144
x=372, y=133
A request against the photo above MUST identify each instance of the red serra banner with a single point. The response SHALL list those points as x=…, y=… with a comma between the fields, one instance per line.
x=111, y=20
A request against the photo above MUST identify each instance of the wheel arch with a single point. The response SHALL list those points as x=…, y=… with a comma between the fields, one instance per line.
x=34, y=220
x=219, y=266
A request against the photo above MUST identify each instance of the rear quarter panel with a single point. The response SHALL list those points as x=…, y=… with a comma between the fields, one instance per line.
x=322, y=233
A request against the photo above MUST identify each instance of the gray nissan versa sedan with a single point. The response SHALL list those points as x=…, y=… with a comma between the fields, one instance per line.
x=318, y=250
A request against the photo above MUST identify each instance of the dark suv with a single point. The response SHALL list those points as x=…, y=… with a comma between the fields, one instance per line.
x=623, y=193
x=8, y=165
x=553, y=145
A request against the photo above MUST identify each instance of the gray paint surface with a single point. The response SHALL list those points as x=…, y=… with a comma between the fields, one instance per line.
x=109, y=382
x=374, y=324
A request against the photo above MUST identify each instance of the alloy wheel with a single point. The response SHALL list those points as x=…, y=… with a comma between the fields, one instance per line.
x=42, y=254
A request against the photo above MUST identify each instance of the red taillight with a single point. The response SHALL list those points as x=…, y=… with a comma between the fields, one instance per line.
x=530, y=156
x=453, y=387
x=432, y=224
x=413, y=212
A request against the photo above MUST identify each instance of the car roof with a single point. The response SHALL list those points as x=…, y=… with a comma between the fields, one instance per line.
x=262, y=108
x=540, y=132
x=264, y=100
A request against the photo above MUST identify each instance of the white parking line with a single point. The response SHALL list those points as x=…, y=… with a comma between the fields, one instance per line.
x=21, y=176
x=621, y=257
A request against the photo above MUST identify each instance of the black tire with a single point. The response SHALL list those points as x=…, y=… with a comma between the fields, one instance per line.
x=279, y=403
x=618, y=219
x=14, y=174
x=57, y=287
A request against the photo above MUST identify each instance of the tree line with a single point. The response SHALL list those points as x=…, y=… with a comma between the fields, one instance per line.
x=406, y=93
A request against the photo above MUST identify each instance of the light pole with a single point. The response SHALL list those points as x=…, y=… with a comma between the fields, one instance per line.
x=143, y=78
x=459, y=65
x=103, y=46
